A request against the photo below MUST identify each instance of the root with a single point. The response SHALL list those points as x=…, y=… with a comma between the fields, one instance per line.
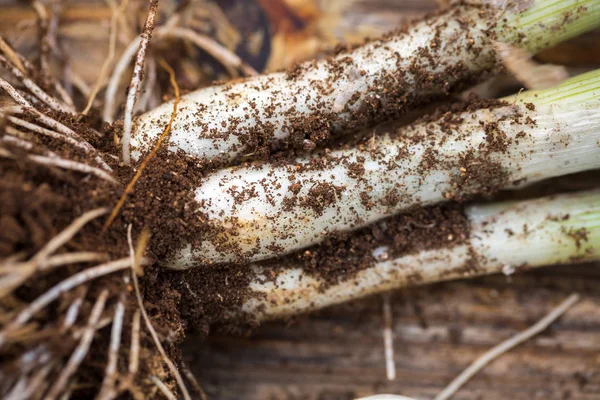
x=12, y=56
x=134, y=262
x=108, y=390
x=48, y=132
x=20, y=272
x=58, y=261
x=134, y=357
x=43, y=22
x=110, y=95
x=505, y=346
x=73, y=310
x=73, y=166
x=81, y=350
x=35, y=89
x=134, y=352
x=193, y=381
x=67, y=234
x=388, y=338
x=58, y=87
x=111, y=55
x=21, y=139
x=227, y=58
x=150, y=82
x=73, y=258
x=163, y=388
x=54, y=293
x=51, y=123
x=52, y=160
x=24, y=389
x=136, y=80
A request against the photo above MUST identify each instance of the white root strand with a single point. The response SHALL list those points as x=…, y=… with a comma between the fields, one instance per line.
x=62, y=287
x=48, y=132
x=62, y=91
x=212, y=47
x=12, y=56
x=136, y=79
x=149, y=83
x=21, y=139
x=73, y=166
x=45, y=35
x=73, y=258
x=108, y=390
x=53, y=160
x=134, y=263
x=55, y=125
x=134, y=349
x=505, y=346
x=67, y=234
x=388, y=337
x=112, y=42
x=81, y=350
x=35, y=89
x=163, y=388
x=73, y=310
x=193, y=381
x=21, y=271
x=53, y=262
x=25, y=389
x=110, y=95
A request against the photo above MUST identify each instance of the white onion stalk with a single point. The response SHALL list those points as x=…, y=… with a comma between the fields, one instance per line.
x=504, y=237
x=268, y=210
x=377, y=81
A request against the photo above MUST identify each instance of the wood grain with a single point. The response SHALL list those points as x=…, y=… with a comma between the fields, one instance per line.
x=439, y=329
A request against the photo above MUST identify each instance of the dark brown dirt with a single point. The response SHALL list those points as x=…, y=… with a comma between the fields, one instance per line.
x=37, y=203
x=344, y=254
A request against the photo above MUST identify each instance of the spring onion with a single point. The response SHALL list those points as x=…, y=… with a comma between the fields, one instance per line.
x=266, y=210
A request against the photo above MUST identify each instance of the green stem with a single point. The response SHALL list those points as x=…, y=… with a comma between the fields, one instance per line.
x=583, y=90
x=545, y=23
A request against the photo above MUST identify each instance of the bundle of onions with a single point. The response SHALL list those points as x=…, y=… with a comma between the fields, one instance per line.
x=59, y=291
x=265, y=210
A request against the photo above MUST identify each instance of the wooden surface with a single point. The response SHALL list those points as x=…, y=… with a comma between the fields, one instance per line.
x=438, y=329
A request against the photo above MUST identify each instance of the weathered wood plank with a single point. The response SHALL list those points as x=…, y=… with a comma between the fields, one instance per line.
x=439, y=330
